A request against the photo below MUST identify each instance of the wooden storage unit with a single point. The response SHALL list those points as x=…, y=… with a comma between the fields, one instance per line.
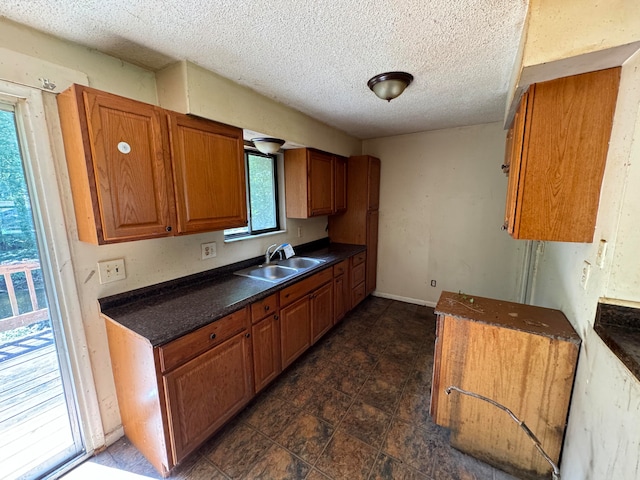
x=120, y=176
x=124, y=161
x=556, y=154
x=521, y=356
x=359, y=223
x=315, y=183
x=173, y=397
x=341, y=290
x=306, y=312
x=357, y=280
x=209, y=174
x=265, y=317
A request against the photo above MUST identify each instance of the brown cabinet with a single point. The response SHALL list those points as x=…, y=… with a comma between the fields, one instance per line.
x=522, y=357
x=358, y=278
x=359, y=223
x=314, y=183
x=120, y=176
x=555, y=157
x=306, y=313
x=124, y=159
x=209, y=176
x=173, y=397
x=265, y=330
x=341, y=291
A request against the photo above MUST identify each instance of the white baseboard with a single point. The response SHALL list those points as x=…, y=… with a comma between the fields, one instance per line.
x=399, y=298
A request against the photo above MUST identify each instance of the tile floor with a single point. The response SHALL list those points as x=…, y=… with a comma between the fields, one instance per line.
x=355, y=406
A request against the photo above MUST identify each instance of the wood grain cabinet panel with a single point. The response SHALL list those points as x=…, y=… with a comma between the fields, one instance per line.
x=120, y=177
x=209, y=174
x=205, y=392
x=321, y=311
x=522, y=357
x=267, y=364
x=556, y=157
x=340, y=195
x=295, y=330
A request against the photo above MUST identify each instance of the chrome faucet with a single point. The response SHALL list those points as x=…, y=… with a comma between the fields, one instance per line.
x=268, y=255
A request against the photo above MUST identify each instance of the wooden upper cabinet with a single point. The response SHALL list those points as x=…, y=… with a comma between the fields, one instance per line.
x=120, y=177
x=557, y=157
x=315, y=183
x=373, y=181
x=209, y=176
x=340, y=195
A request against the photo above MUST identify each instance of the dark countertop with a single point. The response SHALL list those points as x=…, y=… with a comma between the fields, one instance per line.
x=166, y=311
x=516, y=316
x=619, y=328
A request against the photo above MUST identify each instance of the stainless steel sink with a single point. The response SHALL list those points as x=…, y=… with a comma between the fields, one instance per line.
x=301, y=263
x=270, y=273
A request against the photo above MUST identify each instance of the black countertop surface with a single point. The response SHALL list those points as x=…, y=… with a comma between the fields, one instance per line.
x=619, y=328
x=164, y=312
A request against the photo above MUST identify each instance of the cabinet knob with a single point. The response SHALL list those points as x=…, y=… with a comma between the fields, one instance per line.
x=266, y=308
x=168, y=229
x=212, y=336
x=247, y=335
x=276, y=317
x=504, y=226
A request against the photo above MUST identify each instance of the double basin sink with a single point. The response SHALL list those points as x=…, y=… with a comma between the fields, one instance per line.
x=280, y=270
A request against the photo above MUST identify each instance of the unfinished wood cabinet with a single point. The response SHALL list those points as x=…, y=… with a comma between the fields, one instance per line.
x=120, y=176
x=522, y=357
x=267, y=365
x=556, y=154
x=359, y=223
x=173, y=397
x=209, y=174
x=315, y=183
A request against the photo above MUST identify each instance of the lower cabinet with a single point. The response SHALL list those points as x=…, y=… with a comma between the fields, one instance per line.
x=358, y=284
x=341, y=295
x=205, y=392
x=173, y=397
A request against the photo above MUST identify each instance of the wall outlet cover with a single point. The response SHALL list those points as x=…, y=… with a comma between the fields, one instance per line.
x=111, y=270
x=208, y=250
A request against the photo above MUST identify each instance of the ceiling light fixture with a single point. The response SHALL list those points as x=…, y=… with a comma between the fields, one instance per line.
x=390, y=85
x=267, y=145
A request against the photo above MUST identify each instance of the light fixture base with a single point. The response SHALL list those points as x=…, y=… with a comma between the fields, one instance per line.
x=389, y=85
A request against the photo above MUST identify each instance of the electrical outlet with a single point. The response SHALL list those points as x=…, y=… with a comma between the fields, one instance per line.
x=602, y=252
x=208, y=250
x=584, y=277
x=299, y=232
x=111, y=270
x=433, y=283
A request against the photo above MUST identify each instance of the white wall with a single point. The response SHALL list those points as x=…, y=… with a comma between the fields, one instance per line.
x=603, y=439
x=442, y=201
x=147, y=261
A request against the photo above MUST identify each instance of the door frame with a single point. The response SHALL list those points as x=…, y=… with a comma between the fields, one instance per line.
x=30, y=106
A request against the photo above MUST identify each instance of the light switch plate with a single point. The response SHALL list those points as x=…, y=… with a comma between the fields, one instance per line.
x=111, y=270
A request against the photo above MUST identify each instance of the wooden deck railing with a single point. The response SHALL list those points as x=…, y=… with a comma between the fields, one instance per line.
x=18, y=319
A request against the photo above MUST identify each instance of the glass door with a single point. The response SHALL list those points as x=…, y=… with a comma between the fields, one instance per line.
x=39, y=424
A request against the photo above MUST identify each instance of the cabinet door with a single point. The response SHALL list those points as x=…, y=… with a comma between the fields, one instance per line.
x=513, y=161
x=321, y=311
x=209, y=174
x=340, y=195
x=372, y=251
x=374, y=184
x=320, y=183
x=295, y=330
x=130, y=170
x=341, y=300
x=266, y=351
x=206, y=391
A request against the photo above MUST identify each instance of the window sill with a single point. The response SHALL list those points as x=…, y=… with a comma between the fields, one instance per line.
x=252, y=237
x=619, y=328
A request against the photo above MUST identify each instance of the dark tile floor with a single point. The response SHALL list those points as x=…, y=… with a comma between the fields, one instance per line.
x=355, y=406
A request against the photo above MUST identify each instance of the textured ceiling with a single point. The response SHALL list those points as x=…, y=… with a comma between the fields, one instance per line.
x=316, y=56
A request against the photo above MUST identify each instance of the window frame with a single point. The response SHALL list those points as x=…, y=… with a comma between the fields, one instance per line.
x=251, y=232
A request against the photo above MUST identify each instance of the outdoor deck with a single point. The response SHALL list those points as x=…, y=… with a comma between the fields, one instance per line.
x=33, y=414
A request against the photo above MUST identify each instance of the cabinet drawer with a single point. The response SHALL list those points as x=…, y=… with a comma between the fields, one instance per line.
x=264, y=307
x=179, y=351
x=341, y=268
x=292, y=293
x=357, y=295
x=358, y=259
x=357, y=274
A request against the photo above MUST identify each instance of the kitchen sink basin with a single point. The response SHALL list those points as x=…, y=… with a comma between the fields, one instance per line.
x=301, y=263
x=270, y=273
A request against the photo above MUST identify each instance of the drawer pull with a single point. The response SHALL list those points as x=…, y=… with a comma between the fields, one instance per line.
x=276, y=317
x=266, y=308
x=212, y=336
x=247, y=335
